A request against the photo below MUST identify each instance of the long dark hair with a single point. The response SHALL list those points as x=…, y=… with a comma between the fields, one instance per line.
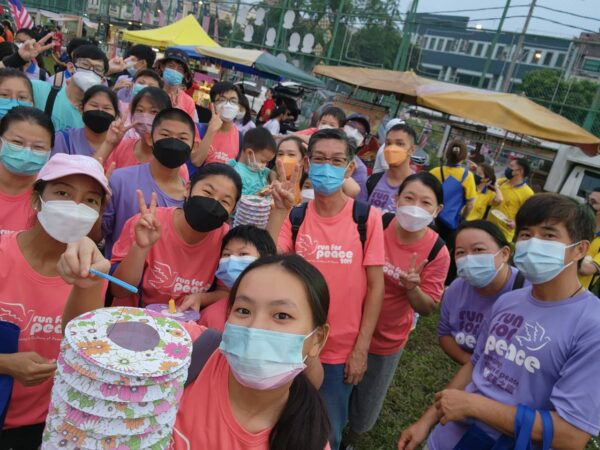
x=427, y=180
x=303, y=423
x=489, y=227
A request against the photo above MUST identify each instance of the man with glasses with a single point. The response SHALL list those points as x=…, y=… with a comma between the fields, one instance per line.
x=89, y=68
x=329, y=236
x=221, y=143
x=357, y=128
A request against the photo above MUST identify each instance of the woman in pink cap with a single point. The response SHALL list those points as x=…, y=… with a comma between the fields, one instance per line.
x=68, y=198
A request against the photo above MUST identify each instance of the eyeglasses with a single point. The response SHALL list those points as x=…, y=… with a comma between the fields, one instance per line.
x=335, y=161
x=222, y=101
x=82, y=65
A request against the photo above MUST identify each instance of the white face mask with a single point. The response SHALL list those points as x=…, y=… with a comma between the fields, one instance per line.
x=354, y=134
x=85, y=79
x=228, y=111
x=240, y=115
x=67, y=221
x=307, y=195
x=413, y=218
x=326, y=126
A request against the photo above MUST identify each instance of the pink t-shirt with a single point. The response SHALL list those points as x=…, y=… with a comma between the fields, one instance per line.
x=16, y=212
x=333, y=246
x=215, y=315
x=308, y=131
x=225, y=146
x=123, y=155
x=173, y=268
x=205, y=419
x=35, y=303
x=186, y=103
x=396, y=317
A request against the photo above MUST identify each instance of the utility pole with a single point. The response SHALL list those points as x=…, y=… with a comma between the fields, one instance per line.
x=492, y=47
x=517, y=54
x=402, y=55
x=235, y=19
x=279, y=40
x=336, y=26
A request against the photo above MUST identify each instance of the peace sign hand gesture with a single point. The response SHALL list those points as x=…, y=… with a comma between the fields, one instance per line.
x=147, y=229
x=32, y=48
x=116, y=131
x=283, y=191
x=412, y=277
x=215, y=122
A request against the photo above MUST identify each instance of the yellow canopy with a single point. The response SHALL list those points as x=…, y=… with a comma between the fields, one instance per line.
x=241, y=56
x=186, y=31
x=511, y=112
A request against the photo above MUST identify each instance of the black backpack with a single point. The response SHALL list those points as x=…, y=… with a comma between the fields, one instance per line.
x=437, y=246
x=372, y=182
x=202, y=349
x=54, y=90
x=360, y=215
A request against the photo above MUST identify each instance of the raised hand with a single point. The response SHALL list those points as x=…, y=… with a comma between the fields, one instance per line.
x=283, y=191
x=412, y=277
x=116, y=131
x=147, y=229
x=32, y=48
x=124, y=83
x=116, y=64
x=75, y=263
x=215, y=122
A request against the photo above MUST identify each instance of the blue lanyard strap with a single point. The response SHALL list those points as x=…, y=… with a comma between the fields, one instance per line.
x=548, y=433
x=527, y=418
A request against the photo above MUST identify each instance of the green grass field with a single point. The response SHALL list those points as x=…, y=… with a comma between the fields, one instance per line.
x=423, y=370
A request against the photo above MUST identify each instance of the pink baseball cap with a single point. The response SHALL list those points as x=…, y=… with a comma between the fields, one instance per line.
x=63, y=165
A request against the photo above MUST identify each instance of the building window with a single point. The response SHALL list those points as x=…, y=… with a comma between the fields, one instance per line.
x=560, y=60
x=449, y=45
x=469, y=48
x=500, y=54
x=591, y=65
x=440, y=45
x=479, y=49
x=432, y=42
x=548, y=58
x=524, y=55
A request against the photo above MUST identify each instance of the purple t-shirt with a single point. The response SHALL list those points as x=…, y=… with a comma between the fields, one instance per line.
x=545, y=355
x=383, y=195
x=124, y=204
x=72, y=141
x=464, y=311
x=360, y=174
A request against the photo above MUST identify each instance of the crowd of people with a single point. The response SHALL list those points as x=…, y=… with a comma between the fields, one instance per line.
x=107, y=167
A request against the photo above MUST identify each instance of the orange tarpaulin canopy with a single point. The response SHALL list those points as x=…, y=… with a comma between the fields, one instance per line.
x=511, y=112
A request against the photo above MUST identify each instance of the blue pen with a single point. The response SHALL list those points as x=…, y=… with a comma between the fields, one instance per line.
x=112, y=279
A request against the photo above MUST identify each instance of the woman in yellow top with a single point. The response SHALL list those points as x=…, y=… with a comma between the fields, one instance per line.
x=488, y=192
x=590, y=266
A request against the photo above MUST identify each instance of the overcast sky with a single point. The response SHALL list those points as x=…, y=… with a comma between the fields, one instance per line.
x=590, y=9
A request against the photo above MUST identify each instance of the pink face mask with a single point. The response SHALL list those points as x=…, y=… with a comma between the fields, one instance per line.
x=143, y=122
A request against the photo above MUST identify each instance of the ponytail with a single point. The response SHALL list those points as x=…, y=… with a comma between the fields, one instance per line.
x=303, y=424
x=456, y=151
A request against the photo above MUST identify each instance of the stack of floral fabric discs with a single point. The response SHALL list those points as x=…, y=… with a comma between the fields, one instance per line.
x=253, y=210
x=120, y=375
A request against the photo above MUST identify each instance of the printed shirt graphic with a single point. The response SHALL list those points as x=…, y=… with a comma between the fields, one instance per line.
x=174, y=268
x=333, y=246
x=225, y=146
x=541, y=354
x=35, y=303
x=396, y=317
x=464, y=311
x=16, y=213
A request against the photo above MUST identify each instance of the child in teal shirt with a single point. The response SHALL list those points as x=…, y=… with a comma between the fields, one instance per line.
x=259, y=149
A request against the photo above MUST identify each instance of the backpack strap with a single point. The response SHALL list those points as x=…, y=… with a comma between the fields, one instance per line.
x=297, y=215
x=464, y=177
x=372, y=182
x=519, y=281
x=203, y=348
x=65, y=135
x=360, y=215
x=439, y=244
x=387, y=218
x=442, y=173
x=50, y=100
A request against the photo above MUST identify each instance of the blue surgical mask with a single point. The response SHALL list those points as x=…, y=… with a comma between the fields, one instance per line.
x=131, y=70
x=539, y=260
x=22, y=160
x=137, y=88
x=326, y=178
x=6, y=104
x=231, y=267
x=478, y=270
x=263, y=359
x=172, y=77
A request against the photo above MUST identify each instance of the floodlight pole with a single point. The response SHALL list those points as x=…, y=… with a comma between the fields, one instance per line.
x=492, y=47
x=517, y=54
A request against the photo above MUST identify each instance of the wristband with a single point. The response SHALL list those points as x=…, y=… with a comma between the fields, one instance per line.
x=15, y=61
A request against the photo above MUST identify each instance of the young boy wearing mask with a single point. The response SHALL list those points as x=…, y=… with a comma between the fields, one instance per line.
x=259, y=151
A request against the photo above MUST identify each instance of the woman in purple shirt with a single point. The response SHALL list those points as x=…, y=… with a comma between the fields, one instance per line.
x=482, y=254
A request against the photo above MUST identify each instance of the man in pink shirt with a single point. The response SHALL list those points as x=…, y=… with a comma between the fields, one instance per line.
x=221, y=143
x=352, y=263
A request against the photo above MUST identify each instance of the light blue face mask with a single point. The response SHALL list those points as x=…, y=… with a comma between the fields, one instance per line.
x=131, y=70
x=172, y=77
x=22, y=160
x=263, y=359
x=326, y=178
x=231, y=267
x=539, y=260
x=137, y=88
x=6, y=104
x=478, y=270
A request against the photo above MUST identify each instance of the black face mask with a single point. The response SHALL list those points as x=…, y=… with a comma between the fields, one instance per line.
x=477, y=178
x=204, y=214
x=171, y=152
x=97, y=121
x=508, y=173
